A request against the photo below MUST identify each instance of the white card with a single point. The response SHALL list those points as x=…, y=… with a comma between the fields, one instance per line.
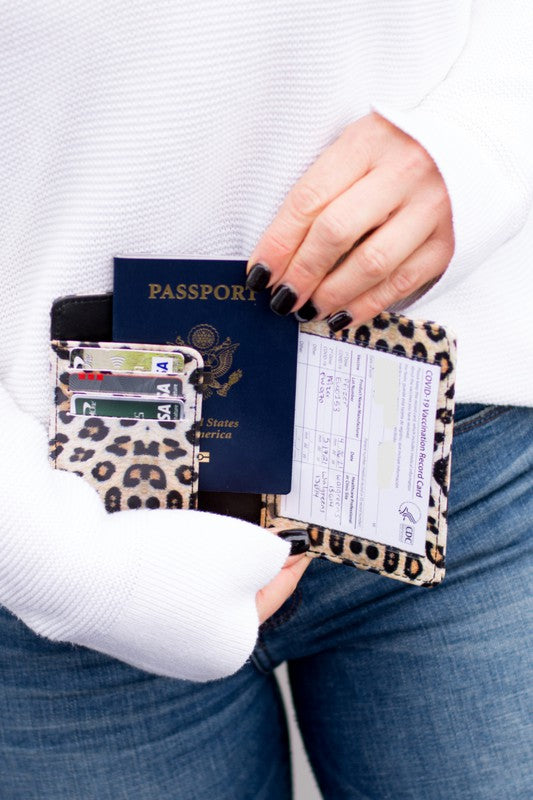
x=363, y=442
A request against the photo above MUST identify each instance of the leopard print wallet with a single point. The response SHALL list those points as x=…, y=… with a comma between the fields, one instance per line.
x=408, y=339
x=154, y=464
x=132, y=463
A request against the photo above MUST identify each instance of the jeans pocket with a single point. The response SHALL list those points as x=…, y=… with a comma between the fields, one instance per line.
x=473, y=415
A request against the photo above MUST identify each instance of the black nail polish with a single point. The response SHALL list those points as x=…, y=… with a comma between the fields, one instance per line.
x=283, y=300
x=339, y=320
x=258, y=278
x=299, y=539
x=307, y=312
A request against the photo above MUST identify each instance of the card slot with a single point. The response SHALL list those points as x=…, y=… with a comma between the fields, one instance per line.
x=64, y=396
x=121, y=406
x=184, y=388
x=132, y=463
x=125, y=383
x=126, y=357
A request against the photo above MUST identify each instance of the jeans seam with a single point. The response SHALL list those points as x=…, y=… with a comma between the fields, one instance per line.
x=481, y=419
x=275, y=621
x=269, y=625
x=259, y=653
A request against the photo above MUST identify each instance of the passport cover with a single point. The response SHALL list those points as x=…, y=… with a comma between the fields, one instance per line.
x=249, y=361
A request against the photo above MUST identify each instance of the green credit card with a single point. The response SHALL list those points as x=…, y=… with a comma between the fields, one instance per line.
x=100, y=358
x=127, y=407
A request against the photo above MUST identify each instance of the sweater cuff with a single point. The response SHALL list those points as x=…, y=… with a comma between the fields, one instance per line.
x=489, y=197
x=191, y=611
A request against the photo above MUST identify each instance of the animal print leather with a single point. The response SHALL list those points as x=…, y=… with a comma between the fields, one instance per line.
x=131, y=463
x=422, y=341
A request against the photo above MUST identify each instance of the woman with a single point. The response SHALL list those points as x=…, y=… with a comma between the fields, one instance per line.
x=284, y=132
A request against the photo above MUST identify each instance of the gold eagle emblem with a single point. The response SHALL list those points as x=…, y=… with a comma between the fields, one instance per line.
x=218, y=358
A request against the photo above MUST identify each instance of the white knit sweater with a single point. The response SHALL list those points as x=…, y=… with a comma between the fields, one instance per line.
x=178, y=127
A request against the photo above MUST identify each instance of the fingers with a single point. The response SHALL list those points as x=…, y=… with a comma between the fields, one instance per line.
x=273, y=595
x=358, y=214
x=427, y=262
x=364, y=206
x=376, y=258
x=339, y=166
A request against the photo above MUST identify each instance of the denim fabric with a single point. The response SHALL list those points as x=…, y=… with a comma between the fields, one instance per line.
x=400, y=692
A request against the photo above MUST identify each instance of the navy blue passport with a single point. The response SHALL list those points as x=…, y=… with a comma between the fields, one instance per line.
x=250, y=361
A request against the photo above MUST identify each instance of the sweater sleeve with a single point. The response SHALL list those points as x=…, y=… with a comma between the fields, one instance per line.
x=171, y=592
x=477, y=125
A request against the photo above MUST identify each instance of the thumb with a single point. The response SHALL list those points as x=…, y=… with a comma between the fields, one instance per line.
x=272, y=596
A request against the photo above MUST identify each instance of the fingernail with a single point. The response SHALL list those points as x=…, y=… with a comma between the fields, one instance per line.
x=307, y=312
x=339, y=320
x=299, y=539
x=283, y=300
x=258, y=277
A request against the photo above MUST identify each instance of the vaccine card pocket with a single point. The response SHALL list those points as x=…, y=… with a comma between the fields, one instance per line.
x=372, y=446
x=126, y=417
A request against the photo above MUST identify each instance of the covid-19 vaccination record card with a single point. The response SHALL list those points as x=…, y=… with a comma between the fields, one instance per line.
x=363, y=442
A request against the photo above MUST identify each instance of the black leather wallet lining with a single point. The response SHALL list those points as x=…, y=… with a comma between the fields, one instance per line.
x=90, y=318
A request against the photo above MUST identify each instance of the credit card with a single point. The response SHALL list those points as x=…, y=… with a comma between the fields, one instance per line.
x=100, y=358
x=123, y=383
x=127, y=407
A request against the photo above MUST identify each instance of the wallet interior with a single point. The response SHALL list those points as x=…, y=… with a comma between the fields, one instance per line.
x=90, y=318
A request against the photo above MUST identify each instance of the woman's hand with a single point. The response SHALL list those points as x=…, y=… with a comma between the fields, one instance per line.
x=367, y=224
x=273, y=595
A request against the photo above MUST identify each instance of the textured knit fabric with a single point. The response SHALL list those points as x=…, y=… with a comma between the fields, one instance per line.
x=178, y=127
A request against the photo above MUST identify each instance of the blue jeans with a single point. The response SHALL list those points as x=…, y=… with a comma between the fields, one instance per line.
x=400, y=692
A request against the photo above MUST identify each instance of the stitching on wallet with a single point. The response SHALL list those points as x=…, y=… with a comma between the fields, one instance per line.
x=76, y=301
x=447, y=406
x=194, y=444
x=53, y=391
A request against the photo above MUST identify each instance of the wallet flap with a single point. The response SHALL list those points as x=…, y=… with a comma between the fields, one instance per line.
x=420, y=341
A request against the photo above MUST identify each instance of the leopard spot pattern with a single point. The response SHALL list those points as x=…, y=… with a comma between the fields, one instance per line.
x=131, y=463
x=422, y=341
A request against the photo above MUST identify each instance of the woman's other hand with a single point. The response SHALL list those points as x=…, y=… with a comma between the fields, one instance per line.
x=367, y=224
x=273, y=595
